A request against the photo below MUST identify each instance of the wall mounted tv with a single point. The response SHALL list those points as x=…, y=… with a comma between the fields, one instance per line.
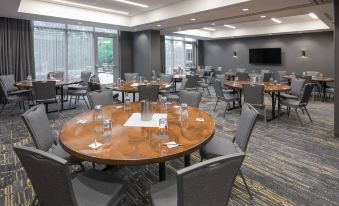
x=271, y=56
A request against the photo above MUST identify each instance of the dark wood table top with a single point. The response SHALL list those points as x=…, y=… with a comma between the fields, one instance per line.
x=28, y=84
x=267, y=86
x=314, y=78
x=127, y=86
x=135, y=145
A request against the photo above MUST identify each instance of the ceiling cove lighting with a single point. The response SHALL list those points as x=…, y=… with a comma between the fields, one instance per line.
x=263, y=16
x=193, y=19
x=245, y=9
x=313, y=16
x=208, y=29
x=133, y=3
x=276, y=20
x=230, y=26
x=89, y=7
x=159, y=25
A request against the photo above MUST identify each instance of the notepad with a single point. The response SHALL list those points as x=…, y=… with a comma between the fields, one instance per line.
x=135, y=120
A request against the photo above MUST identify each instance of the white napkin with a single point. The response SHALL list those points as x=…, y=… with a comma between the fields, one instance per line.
x=200, y=119
x=172, y=144
x=82, y=121
x=95, y=145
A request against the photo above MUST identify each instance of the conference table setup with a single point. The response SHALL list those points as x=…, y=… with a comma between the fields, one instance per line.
x=122, y=138
x=274, y=89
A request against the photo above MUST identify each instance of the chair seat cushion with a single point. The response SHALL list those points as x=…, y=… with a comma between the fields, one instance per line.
x=217, y=147
x=228, y=91
x=46, y=101
x=231, y=97
x=20, y=92
x=77, y=92
x=172, y=97
x=290, y=102
x=165, y=193
x=288, y=96
x=95, y=187
x=203, y=84
x=60, y=152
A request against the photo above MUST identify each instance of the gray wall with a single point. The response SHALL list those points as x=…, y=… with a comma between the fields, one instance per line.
x=319, y=52
x=336, y=102
x=126, y=51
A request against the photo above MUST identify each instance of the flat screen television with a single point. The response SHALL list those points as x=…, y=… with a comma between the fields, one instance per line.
x=271, y=56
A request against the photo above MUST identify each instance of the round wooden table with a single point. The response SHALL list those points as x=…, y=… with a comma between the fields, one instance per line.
x=128, y=87
x=136, y=145
x=25, y=84
x=273, y=89
x=322, y=81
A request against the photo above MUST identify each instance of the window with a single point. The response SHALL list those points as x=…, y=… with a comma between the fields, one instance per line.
x=71, y=49
x=179, y=52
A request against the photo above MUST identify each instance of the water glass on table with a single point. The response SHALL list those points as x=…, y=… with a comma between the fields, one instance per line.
x=127, y=104
x=163, y=127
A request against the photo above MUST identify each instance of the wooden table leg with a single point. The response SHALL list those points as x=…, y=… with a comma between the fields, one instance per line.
x=162, y=171
x=187, y=160
x=273, y=105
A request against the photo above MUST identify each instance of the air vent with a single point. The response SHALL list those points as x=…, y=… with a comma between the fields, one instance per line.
x=322, y=1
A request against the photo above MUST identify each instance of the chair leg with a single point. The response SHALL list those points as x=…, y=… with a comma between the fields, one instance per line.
x=296, y=111
x=70, y=102
x=85, y=102
x=209, y=93
x=265, y=117
x=246, y=186
x=308, y=114
x=2, y=108
x=216, y=103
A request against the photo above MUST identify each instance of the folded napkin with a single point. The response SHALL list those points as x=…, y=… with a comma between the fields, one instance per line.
x=95, y=145
x=172, y=144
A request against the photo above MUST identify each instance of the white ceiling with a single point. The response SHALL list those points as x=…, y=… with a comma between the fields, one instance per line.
x=176, y=15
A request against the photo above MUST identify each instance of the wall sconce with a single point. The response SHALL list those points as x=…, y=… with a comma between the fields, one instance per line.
x=303, y=53
x=235, y=54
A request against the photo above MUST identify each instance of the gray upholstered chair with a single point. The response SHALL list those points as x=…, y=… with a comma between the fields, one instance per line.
x=53, y=184
x=299, y=104
x=79, y=91
x=242, y=76
x=204, y=84
x=279, y=76
x=131, y=76
x=175, y=97
x=205, y=183
x=8, y=82
x=191, y=98
x=222, y=97
x=168, y=78
x=254, y=95
x=222, y=79
x=9, y=99
x=296, y=88
x=100, y=97
x=148, y=92
x=45, y=92
x=267, y=76
x=219, y=146
x=192, y=82
x=37, y=123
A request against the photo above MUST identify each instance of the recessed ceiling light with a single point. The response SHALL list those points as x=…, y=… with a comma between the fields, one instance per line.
x=245, y=9
x=313, y=16
x=270, y=34
x=89, y=7
x=159, y=25
x=276, y=20
x=208, y=29
x=213, y=24
x=230, y=26
x=133, y=3
x=263, y=16
x=193, y=19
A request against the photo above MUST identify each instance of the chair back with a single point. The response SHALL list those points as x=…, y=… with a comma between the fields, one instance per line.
x=242, y=76
x=280, y=74
x=85, y=76
x=267, y=76
x=308, y=89
x=94, y=79
x=8, y=82
x=296, y=86
x=44, y=90
x=131, y=76
x=191, y=98
x=100, y=97
x=246, y=124
x=253, y=94
x=222, y=79
x=192, y=81
x=209, y=182
x=49, y=175
x=218, y=89
x=94, y=83
x=58, y=75
x=308, y=79
x=166, y=77
x=148, y=92
x=240, y=70
x=37, y=123
x=183, y=84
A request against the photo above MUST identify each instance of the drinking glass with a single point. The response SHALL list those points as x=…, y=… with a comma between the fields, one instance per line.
x=163, y=102
x=184, y=115
x=163, y=126
x=127, y=104
x=29, y=78
x=107, y=128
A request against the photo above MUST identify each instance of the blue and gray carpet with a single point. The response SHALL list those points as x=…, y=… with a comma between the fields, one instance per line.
x=286, y=164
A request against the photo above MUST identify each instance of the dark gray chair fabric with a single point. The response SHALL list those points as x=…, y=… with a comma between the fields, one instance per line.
x=100, y=97
x=54, y=186
x=148, y=92
x=37, y=123
x=254, y=95
x=5, y=98
x=279, y=76
x=131, y=76
x=8, y=82
x=45, y=92
x=267, y=76
x=242, y=76
x=205, y=183
x=296, y=89
x=80, y=91
x=168, y=78
x=175, y=97
x=299, y=104
x=191, y=98
x=192, y=82
x=224, y=97
x=222, y=78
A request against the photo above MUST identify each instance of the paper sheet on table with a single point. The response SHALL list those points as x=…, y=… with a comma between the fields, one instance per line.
x=135, y=120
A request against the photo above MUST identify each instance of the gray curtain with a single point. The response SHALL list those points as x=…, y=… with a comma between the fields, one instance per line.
x=16, y=48
x=162, y=54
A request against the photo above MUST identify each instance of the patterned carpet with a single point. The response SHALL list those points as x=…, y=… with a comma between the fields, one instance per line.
x=286, y=164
